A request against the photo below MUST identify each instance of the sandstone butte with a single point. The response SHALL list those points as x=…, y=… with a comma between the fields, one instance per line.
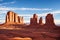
x=13, y=18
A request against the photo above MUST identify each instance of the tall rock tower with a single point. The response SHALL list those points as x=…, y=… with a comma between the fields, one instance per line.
x=40, y=21
x=49, y=19
x=20, y=20
x=34, y=20
x=13, y=18
x=10, y=17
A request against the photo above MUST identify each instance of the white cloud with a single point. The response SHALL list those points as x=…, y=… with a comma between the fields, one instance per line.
x=2, y=21
x=26, y=21
x=57, y=21
x=33, y=9
x=8, y=8
x=53, y=12
x=26, y=15
x=42, y=14
x=1, y=12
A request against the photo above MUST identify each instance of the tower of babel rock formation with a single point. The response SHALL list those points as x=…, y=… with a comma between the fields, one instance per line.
x=13, y=18
x=40, y=21
x=49, y=19
x=34, y=20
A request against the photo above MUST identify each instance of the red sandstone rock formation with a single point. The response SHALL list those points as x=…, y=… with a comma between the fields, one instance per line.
x=13, y=18
x=20, y=19
x=34, y=20
x=40, y=21
x=49, y=19
x=16, y=18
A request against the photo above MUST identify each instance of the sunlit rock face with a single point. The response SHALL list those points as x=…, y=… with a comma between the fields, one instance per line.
x=13, y=18
x=40, y=21
x=34, y=20
x=49, y=19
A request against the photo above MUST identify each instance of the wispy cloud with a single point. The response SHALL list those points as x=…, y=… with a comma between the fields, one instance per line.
x=7, y=3
x=57, y=21
x=52, y=12
x=8, y=8
x=42, y=14
x=2, y=21
x=30, y=15
x=3, y=12
x=34, y=9
x=26, y=15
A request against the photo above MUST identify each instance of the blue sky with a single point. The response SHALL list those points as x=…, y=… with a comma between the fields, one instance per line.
x=27, y=8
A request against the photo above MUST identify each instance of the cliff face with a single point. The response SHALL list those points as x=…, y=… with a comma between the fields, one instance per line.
x=13, y=18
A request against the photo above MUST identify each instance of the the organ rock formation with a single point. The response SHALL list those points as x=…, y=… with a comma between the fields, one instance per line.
x=13, y=18
x=34, y=20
